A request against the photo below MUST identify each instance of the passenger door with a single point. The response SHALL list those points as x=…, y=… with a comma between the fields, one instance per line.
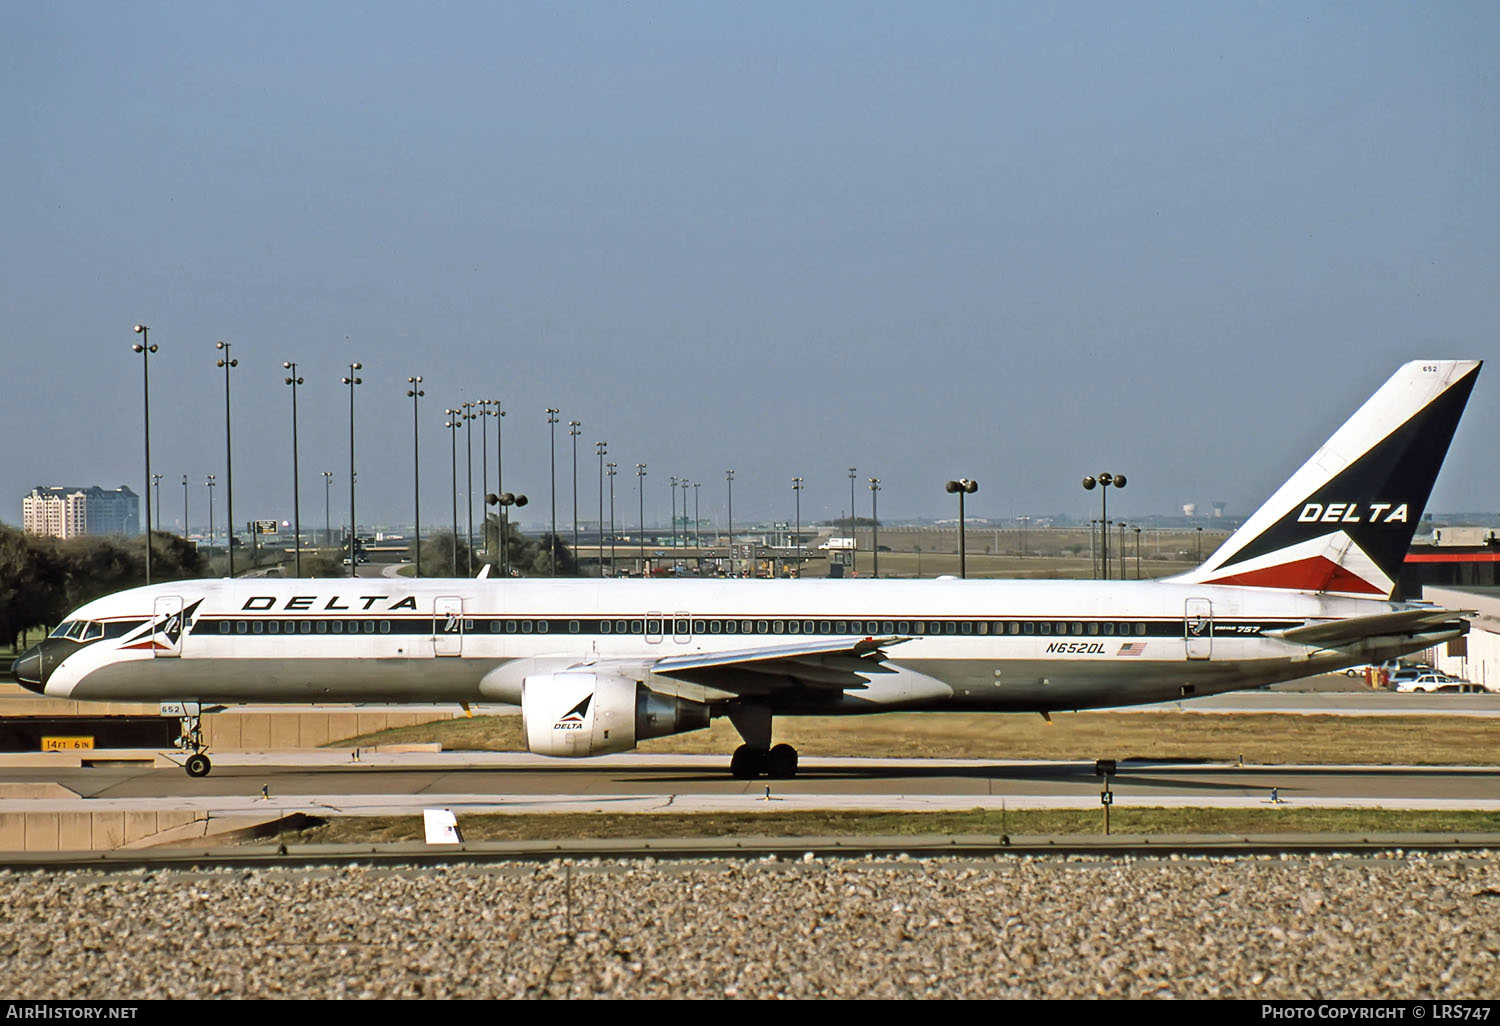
x=166, y=627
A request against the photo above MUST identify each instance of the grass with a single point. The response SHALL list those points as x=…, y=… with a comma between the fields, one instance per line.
x=1062, y=822
x=1262, y=739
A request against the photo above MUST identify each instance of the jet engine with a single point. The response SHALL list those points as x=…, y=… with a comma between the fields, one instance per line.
x=579, y=714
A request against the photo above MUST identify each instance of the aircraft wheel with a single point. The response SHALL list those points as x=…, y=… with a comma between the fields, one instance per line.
x=197, y=765
x=747, y=763
x=781, y=762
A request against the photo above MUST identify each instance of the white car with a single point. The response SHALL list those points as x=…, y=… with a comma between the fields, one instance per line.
x=1429, y=682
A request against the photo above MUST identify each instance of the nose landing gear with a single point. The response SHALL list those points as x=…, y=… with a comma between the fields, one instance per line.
x=190, y=739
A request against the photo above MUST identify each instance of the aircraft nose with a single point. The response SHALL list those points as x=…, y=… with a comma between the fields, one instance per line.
x=30, y=669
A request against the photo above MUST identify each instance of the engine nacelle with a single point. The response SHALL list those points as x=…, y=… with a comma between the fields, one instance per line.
x=581, y=714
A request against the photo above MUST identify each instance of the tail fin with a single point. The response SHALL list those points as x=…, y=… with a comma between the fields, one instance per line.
x=1343, y=523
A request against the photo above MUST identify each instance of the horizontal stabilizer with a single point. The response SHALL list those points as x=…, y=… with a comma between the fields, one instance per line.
x=1345, y=632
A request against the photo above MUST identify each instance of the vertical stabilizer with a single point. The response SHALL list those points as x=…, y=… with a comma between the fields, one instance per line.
x=1343, y=523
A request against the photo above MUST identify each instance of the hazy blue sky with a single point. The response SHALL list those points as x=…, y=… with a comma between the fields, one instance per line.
x=1015, y=242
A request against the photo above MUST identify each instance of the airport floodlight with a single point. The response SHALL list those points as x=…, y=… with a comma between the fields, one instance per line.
x=145, y=348
x=963, y=486
x=228, y=363
x=352, y=380
x=293, y=380
x=1104, y=481
x=415, y=393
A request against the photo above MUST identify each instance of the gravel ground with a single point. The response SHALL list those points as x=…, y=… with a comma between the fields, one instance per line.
x=1398, y=926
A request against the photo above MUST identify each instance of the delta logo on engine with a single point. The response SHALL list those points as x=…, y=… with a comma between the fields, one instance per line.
x=573, y=718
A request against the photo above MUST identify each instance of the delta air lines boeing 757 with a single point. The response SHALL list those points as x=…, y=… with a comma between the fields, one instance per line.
x=1304, y=586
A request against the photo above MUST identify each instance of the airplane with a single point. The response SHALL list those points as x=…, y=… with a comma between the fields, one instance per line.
x=1304, y=586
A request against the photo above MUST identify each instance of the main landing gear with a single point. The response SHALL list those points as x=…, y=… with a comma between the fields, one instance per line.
x=779, y=763
x=756, y=757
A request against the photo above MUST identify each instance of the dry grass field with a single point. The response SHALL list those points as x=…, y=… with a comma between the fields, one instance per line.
x=1213, y=737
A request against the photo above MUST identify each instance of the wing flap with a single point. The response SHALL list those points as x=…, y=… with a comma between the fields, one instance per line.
x=836, y=664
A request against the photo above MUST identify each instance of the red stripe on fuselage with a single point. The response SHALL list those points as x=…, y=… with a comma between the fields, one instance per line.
x=1317, y=573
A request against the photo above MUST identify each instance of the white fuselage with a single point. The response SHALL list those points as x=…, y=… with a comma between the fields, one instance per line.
x=997, y=645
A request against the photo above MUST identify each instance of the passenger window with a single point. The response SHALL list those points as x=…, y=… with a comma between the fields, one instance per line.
x=951, y=628
x=1062, y=628
x=510, y=626
x=824, y=627
x=224, y=627
x=1093, y=628
x=1028, y=628
x=807, y=626
x=525, y=626
x=1046, y=627
x=621, y=627
x=967, y=627
x=494, y=626
x=306, y=626
x=730, y=626
x=1013, y=628
x=337, y=626
x=1077, y=628
x=273, y=627
x=385, y=626
x=778, y=626
x=543, y=626
x=1109, y=628
x=603, y=626
x=791, y=626
x=322, y=627
x=700, y=626
x=763, y=627
x=748, y=627
x=888, y=627
x=637, y=626
x=257, y=627
x=1140, y=628
x=240, y=627
x=843, y=627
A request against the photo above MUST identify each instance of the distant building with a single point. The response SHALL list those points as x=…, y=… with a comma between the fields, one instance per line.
x=67, y=512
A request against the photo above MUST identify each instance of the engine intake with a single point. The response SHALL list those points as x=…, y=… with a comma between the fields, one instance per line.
x=580, y=714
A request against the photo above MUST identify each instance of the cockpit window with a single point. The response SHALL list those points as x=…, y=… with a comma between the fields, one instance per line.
x=79, y=630
x=62, y=629
x=93, y=631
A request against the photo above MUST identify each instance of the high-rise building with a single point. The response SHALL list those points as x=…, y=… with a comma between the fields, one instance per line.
x=66, y=512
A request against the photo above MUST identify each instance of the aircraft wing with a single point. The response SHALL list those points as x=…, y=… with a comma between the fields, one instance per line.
x=1334, y=633
x=832, y=665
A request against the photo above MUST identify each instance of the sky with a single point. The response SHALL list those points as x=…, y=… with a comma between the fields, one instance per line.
x=1014, y=242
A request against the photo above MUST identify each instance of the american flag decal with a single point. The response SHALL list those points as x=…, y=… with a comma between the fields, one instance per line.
x=1132, y=648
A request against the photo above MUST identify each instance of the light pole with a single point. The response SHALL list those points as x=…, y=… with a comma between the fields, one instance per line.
x=672, y=520
x=484, y=478
x=573, y=426
x=452, y=425
x=697, y=523
x=963, y=486
x=156, y=483
x=294, y=381
x=327, y=506
x=185, y=530
x=729, y=538
x=875, y=521
x=612, y=518
x=415, y=393
x=505, y=501
x=853, y=534
x=640, y=492
x=352, y=380
x=503, y=539
x=552, y=541
x=601, y=450
x=228, y=364
x=145, y=348
x=1104, y=481
x=797, y=537
x=1025, y=523
x=468, y=419
x=210, y=483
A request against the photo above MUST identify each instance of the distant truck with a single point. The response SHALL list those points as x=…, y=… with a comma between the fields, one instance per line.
x=838, y=543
